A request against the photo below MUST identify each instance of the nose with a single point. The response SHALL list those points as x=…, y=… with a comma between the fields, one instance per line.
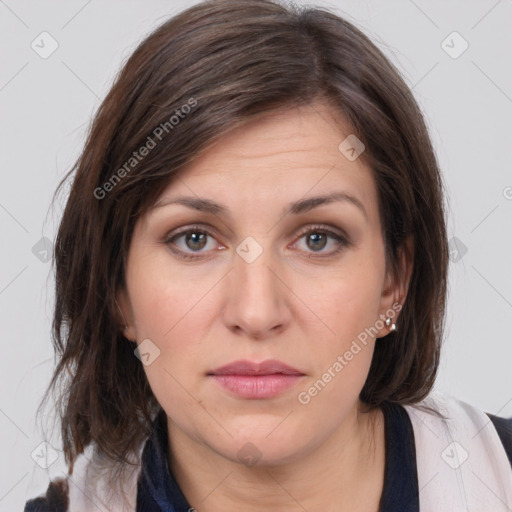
x=257, y=298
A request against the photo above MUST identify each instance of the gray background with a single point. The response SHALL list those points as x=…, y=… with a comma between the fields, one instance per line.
x=45, y=108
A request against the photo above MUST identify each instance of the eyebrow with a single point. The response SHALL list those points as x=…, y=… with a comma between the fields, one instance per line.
x=295, y=208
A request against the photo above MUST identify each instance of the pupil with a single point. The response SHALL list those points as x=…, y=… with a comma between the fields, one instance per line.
x=196, y=239
x=316, y=237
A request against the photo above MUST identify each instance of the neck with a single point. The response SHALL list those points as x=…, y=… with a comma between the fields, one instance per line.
x=344, y=473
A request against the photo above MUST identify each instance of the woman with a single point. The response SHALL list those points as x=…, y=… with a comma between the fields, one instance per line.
x=251, y=283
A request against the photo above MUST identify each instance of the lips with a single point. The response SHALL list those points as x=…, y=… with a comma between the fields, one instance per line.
x=256, y=381
x=268, y=367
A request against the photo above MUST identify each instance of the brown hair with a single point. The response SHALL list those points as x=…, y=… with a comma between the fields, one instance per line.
x=228, y=61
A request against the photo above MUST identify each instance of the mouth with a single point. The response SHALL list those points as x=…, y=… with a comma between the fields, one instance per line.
x=251, y=380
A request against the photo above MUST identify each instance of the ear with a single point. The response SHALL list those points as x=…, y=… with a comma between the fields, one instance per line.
x=125, y=316
x=396, y=287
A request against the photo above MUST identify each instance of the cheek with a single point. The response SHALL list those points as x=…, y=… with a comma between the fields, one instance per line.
x=164, y=298
x=168, y=320
x=345, y=310
x=343, y=305
x=172, y=310
x=341, y=359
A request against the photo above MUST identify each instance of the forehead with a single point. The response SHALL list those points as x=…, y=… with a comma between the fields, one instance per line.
x=278, y=157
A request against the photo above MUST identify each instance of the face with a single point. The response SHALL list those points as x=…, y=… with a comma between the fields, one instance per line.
x=245, y=267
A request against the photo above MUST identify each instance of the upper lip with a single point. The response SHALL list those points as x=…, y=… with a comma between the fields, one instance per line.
x=244, y=367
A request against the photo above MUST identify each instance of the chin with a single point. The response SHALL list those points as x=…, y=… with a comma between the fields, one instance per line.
x=260, y=450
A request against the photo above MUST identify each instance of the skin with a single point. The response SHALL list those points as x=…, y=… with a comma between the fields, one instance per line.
x=298, y=302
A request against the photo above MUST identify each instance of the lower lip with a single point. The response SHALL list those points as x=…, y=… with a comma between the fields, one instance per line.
x=257, y=386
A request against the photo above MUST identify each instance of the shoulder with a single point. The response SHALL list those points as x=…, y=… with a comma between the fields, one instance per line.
x=503, y=427
x=456, y=442
x=461, y=417
x=96, y=486
x=442, y=412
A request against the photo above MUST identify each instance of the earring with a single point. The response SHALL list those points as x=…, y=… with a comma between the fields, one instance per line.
x=392, y=326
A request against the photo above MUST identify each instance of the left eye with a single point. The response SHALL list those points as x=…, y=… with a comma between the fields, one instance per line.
x=195, y=240
x=317, y=239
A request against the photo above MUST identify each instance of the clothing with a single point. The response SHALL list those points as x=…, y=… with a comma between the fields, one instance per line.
x=425, y=465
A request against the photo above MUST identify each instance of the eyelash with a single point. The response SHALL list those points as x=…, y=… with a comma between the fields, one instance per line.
x=324, y=230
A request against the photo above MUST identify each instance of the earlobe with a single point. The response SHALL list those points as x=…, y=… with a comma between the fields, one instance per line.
x=129, y=333
x=124, y=318
x=396, y=287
